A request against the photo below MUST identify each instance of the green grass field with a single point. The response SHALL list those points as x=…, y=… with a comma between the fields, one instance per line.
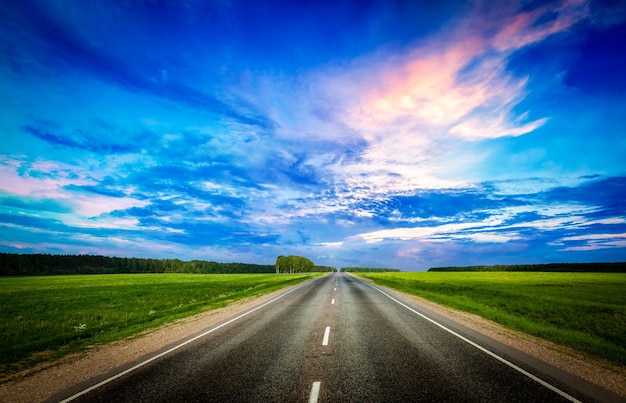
x=585, y=311
x=47, y=317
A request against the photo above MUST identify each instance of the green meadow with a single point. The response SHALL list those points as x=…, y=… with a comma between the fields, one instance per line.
x=46, y=317
x=584, y=311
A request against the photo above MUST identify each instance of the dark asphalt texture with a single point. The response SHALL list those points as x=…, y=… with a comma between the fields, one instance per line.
x=378, y=351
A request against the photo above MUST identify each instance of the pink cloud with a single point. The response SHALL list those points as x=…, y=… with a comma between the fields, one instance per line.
x=422, y=88
x=37, y=184
x=523, y=29
x=413, y=106
x=26, y=185
x=457, y=75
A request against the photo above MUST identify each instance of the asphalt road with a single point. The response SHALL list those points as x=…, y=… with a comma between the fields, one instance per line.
x=337, y=339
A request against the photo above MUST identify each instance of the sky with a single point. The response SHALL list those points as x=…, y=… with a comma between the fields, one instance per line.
x=404, y=134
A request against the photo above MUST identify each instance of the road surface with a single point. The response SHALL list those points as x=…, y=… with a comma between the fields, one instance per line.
x=337, y=339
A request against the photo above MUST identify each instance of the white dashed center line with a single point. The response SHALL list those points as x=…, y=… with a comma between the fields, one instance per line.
x=315, y=392
x=326, y=336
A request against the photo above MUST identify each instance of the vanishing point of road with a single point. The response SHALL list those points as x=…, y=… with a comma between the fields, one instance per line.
x=337, y=339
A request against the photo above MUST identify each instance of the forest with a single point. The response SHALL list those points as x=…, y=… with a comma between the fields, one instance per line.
x=619, y=267
x=13, y=264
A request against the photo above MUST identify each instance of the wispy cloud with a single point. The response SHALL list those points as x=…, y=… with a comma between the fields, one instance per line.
x=592, y=242
x=101, y=138
x=513, y=219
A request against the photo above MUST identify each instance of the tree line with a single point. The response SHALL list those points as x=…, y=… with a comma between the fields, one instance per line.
x=619, y=267
x=13, y=264
x=368, y=270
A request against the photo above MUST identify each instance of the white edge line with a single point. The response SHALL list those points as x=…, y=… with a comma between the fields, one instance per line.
x=481, y=348
x=326, y=336
x=176, y=347
x=315, y=392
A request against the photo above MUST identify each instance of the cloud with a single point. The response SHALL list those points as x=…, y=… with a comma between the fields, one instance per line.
x=481, y=218
x=96, y=141
x=34, y=204
x=38, y=179
x=66, y=185
x=404, y=234
x=529, y=27
x=93, y=206
x=478, y=128
x=62, y=47
x=591, y=242
x=414, y=107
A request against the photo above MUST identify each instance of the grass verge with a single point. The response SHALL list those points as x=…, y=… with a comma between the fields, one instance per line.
x=44, y=318
x=584, y=311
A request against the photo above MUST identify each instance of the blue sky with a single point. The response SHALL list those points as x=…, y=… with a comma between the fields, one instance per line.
x=356, y=133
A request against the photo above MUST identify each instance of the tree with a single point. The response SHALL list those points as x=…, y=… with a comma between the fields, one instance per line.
x=280, y=264
x=293, y=264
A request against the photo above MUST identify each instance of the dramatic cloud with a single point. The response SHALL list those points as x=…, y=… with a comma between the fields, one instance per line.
x=409, y=135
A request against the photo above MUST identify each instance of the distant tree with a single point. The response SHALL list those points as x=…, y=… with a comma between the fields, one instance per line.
x=368, y=270
x=324, y=269
x=293, y=264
